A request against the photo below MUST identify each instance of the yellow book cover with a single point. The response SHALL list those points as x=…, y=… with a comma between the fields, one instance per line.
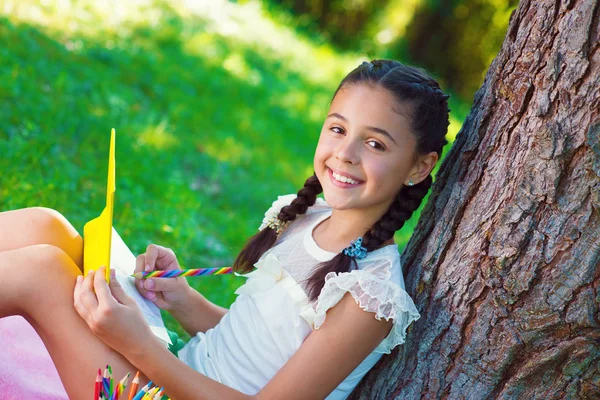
x=102, y=246
x=97, y=232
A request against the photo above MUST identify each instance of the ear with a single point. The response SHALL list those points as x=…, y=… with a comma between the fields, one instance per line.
x=423, y=167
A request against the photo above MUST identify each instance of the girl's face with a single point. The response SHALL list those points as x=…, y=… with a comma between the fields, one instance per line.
x=365, y=152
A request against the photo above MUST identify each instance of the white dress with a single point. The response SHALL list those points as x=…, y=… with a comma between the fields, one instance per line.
x=272, y=314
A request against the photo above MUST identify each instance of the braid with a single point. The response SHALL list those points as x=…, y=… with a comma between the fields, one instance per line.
x=266, y=238
x=307, y=196
x=407, y=202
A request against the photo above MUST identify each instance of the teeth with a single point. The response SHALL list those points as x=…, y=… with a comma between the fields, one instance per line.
x=344, y=179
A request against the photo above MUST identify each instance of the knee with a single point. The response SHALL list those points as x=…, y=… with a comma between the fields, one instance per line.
x=48, y=220
x=48, y=226
x=51, y=258
x=49, y=273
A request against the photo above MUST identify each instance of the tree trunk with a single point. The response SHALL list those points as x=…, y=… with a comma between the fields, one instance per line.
x=504, y=264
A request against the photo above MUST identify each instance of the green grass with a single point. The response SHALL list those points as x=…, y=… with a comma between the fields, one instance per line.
x=217, y=111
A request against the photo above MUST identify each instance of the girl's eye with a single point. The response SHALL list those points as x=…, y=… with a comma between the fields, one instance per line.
x=376, y=145
x=337, y=129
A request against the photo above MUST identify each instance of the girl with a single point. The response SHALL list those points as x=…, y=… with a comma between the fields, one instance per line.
x=325, y=301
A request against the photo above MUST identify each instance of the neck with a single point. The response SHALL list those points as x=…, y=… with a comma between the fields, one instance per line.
x=342, y=227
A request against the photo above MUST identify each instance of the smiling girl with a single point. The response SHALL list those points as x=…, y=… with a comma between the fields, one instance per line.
x=324, y=297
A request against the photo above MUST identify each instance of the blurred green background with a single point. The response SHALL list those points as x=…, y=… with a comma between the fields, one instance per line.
x=217, y=105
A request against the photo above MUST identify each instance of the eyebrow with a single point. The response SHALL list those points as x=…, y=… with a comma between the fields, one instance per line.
x=370, y=128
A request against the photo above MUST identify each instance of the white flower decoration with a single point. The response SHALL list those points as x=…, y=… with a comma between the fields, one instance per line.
x=276, y=207
x=268, y=272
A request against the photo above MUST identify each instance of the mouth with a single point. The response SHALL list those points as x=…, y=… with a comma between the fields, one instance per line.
x=343, y=180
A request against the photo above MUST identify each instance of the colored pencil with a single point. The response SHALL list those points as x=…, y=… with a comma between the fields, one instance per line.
x=106, y=388
x=110, y=380
x=142, y=392
x=158, y=394
x=98, y=385
x=121, y=386
x=106, y=383
x=134, y=386
x=150, y=394
x=174, y=273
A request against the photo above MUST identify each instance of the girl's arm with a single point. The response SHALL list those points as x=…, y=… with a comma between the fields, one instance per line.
x=197, y=314
x=329, y=354
x=179, y=380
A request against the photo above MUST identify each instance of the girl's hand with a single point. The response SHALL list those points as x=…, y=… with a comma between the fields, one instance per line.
x=166, y=293
x=110, y=313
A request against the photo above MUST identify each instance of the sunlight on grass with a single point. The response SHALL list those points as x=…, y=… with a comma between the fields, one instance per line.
x=229, y=150
x=157, y=137
x=237, y=66
x=249, y=23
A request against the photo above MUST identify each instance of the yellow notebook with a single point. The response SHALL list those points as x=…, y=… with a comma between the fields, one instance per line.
x=102, y=246
x=97, y=232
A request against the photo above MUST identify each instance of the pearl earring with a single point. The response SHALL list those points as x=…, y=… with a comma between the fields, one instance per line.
x=410, y=182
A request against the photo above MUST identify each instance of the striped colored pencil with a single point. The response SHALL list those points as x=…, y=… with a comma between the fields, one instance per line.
x=120, y=387
x=134, y=386
x=174, y=273
x=106, y=383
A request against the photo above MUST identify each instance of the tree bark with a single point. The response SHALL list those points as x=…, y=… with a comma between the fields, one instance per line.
x=504, y=264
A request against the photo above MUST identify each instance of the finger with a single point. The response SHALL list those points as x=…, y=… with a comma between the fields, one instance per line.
x=77, y=289
x=77, y=303
x=117, y=290
x=102, y=289
x=151, y=256
x=87, y=295
x=160, y=258
x=163, y=284
x=140, y=263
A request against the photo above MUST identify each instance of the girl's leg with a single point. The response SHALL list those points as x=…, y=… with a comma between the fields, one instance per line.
x=37, y=283
x=39, y=225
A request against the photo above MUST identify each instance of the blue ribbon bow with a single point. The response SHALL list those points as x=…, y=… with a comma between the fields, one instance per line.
x=356, y=250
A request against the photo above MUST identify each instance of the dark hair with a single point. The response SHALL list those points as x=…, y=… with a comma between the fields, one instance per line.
x=429, y=118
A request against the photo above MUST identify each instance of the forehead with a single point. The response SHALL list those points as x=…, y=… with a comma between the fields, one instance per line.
x=371, y=105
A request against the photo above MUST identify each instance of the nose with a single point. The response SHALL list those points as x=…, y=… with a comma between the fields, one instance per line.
x=347, y=151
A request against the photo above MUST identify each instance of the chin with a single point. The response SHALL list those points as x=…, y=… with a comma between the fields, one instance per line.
x=337, y=202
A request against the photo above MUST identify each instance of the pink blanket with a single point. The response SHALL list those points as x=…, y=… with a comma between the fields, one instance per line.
x=26, y=369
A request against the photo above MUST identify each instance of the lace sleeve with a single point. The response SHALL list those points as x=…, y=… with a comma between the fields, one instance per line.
x=277, y=205
x=385, y=298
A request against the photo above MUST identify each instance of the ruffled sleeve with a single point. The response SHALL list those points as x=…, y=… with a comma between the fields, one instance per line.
x=383, y=297
x=275, y=208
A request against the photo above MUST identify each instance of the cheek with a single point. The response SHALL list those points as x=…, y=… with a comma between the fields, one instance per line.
x=387, y=176
x=321, y=152
x=380, y=172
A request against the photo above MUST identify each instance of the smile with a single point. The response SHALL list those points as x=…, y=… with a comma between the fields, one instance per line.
x=343, y=180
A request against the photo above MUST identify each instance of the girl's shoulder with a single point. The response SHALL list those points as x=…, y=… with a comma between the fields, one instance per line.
x=377, y=286
x=286, y=200
x=384, y=263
